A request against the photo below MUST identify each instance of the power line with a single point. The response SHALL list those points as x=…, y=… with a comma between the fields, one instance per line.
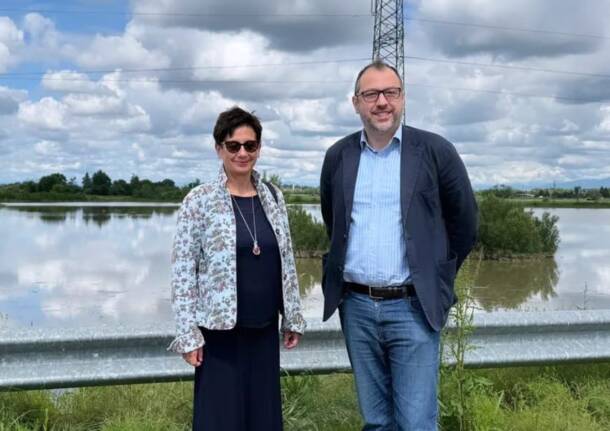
x=296, y=15
x=506, y=28
x=321, y=82
x=183, y=14
x=187, y=68
x=505, y=93
x=509, y=66
x=314, y=62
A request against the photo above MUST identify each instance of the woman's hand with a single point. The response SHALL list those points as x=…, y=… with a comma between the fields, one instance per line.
x=195, y=358
x=291, y=339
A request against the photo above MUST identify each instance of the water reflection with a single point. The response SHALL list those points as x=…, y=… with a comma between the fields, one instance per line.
x=99, y=264
x=511, y=284
x=65, y=266
x=97, y=215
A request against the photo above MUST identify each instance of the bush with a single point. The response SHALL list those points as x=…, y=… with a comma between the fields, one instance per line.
x=506, y=229
x=308, y=235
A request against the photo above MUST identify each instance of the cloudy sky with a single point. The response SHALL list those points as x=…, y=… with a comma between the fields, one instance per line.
x=522, y=88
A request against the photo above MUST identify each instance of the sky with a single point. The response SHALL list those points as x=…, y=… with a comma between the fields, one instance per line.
x=521, y=88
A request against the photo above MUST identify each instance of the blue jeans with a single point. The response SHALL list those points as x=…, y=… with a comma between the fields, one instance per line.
x=395, y=358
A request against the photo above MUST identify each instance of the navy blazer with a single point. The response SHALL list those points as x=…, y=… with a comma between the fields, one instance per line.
x=439, y=216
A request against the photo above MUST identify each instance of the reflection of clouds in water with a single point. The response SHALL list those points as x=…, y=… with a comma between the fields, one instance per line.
x=313, y=303
x=603, y=286
x=82, y=272
x=110, y=284
x=76, y=272
x=571, y=239
x=591, y=253
x=46, y=239
x=111, y=302
x=48, y=275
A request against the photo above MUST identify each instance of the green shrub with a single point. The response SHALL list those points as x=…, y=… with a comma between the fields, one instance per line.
x=506, y=229
x=307, y=234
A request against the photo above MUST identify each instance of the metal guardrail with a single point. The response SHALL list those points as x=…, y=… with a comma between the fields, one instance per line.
x=48, y=358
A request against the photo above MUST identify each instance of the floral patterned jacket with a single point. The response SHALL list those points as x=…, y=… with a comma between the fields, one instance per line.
x=204, y=291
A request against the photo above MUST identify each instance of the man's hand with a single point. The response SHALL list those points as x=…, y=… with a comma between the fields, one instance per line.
x=195, y=358
x=291, y=339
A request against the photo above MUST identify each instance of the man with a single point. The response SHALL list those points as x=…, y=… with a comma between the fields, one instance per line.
x=401, y=217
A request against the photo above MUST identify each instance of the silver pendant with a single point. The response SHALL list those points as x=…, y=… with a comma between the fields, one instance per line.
x=256, y=250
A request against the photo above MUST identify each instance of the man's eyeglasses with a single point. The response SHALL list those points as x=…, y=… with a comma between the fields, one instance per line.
x=234, y=146
x=371, y=96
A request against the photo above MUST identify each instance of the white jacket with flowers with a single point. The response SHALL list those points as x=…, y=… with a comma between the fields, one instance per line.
x=204, y=291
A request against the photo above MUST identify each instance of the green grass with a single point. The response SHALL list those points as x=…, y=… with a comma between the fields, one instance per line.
x=571, y=397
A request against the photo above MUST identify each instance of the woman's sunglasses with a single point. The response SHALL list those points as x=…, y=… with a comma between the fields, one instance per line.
x=234, y=146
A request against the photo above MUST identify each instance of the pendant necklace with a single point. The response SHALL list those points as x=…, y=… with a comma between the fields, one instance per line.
x=256, y=250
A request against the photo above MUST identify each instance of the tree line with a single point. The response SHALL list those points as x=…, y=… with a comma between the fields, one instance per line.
x=57, y=186
x=577, y=192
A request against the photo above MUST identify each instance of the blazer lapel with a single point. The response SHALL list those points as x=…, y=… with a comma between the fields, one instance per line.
x=410, y=161
x=351, y=160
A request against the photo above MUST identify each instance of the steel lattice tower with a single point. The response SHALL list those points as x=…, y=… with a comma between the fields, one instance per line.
x=389, y=34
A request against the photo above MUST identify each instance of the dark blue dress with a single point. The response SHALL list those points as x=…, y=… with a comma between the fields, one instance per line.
x=237, y=387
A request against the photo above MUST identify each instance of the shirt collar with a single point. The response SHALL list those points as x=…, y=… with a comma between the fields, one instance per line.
x=396, y=140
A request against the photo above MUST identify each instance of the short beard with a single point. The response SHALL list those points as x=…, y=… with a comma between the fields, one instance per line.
x=396, y=120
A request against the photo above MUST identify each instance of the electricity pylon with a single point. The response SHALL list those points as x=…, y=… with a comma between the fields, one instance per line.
x=389, y=34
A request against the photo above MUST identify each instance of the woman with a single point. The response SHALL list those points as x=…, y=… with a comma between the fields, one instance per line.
x=233, y=272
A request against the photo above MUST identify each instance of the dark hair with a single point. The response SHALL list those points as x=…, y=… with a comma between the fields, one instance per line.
x=379, y=65
x=233, y=118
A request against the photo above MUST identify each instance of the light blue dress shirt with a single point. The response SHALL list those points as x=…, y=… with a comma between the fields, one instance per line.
x=376, y=248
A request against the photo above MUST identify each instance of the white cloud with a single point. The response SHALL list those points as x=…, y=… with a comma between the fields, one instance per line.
x=68, y=81
x=47, y=148
x=11, y=38
x=48, y=114
x=158, y=123
x=93, y=105
x=124, y=51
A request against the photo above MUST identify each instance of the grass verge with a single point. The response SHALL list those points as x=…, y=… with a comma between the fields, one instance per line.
x=570, y=397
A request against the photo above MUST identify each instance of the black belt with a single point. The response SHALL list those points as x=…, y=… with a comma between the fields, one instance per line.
x=387, y=292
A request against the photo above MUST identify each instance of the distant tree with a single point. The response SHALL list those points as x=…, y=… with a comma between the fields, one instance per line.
x=134, y=182
x=167, y=183
x=87, y=184
x=275, y=179
x=577, y=191
x=120, y=188
x=145, y=188
x=100, y=183
x=604, y=192
x=30, y=186
x=46, y=183
x=500, y=191
x=192, y=185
